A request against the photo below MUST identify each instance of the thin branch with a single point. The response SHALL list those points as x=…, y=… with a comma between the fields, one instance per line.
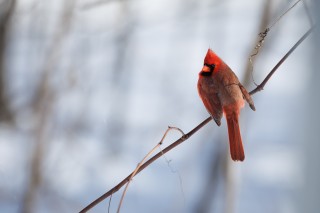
x=174, y=170
x=308, y=13
x=134, y=173
x=109, y=203
x=283, y=14
x=264, y=33
x=264, y=82
x=151, y=160
x=189, y=134
x=144, y=159
x=257, y=48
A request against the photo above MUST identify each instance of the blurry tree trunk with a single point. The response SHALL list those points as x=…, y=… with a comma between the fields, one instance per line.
x=308, y=198
x=42, y=108
x=122, y=76
x=7, y=7
x=230, y=182
x=209, y=192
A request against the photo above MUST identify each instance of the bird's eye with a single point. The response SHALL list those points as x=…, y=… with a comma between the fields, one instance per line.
x=207, y=69
x=211, y=67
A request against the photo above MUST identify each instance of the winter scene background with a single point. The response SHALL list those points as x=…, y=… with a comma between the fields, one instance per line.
x=88, y=88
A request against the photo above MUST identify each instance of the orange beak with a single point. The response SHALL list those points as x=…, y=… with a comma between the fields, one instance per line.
x=205, y=69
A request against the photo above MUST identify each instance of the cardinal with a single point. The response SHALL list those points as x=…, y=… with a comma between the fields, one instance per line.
x=222, y=93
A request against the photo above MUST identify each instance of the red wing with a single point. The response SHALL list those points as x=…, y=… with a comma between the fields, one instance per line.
x=212, y=104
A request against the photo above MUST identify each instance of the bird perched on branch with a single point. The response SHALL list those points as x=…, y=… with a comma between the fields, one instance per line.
x=222, y=93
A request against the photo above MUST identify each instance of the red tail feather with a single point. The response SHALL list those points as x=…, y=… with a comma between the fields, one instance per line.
x=236, y=147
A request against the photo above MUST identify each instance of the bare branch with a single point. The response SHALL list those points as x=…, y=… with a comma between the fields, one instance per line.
x=7, y=11
x=135, y=172
x=144, y=159
x=264, y=82
x=283, y=14
x=143, y=166
x=264, y=33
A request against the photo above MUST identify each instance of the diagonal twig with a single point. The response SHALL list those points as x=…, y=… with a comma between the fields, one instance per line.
x=143, y=166
x=264, y=82
x=144, y=159
x=263, y=35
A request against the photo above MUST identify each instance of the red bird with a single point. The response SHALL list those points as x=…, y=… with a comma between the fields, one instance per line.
x=221, y=92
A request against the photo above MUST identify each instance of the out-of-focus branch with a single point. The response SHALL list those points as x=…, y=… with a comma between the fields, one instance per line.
x=43, y=102
x=217, y=161
x=189, y=134
x=5, y=112
x=95, y=4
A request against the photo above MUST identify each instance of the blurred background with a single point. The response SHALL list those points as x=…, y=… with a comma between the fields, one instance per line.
x=88, y=87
